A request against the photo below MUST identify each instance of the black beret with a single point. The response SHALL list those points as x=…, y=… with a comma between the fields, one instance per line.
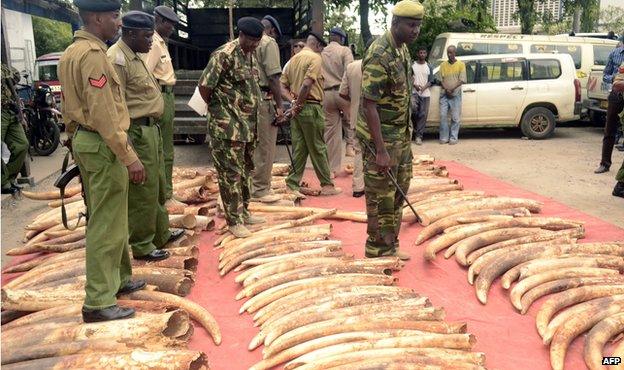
x=98, y=5
x=338, y=31
x=250, y=26
x=137, y=20
x=167, y=13
x=275, y=23
x=319, y=38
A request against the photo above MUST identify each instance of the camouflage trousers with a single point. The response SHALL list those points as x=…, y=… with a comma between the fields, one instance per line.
x=233, y=161
x=384, y=204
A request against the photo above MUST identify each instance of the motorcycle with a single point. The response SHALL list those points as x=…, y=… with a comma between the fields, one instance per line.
x=41, y=117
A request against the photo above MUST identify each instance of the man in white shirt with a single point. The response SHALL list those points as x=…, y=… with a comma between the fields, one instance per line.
x=423, y=77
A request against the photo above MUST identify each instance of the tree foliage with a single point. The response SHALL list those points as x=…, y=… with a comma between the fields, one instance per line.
x=611, y=19
x=50, y=36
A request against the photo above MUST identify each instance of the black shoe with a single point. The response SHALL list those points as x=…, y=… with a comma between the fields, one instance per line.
x=618, y=190
x=10, y=190
x=131, y=286
x=357, y=194
x=620, y=147
x=602, y=169
x=155, y=255
x=175, y=235
x=107, y=314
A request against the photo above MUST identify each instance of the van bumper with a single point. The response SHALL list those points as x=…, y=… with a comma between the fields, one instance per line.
x=577, y=108
x=597, y=105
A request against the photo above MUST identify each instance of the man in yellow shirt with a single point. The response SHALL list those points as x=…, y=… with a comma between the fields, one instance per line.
x=304, y=81
x=453, y=75
x=158, y=61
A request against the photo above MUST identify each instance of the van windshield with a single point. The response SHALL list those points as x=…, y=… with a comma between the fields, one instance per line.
x=482, y=48
x=437, y=50
x=47, y=72
x=573, y=50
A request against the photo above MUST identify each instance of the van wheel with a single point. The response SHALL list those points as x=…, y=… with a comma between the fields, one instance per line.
x=538, y=123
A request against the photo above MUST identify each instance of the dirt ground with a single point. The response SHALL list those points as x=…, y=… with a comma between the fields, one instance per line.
x=560, y=168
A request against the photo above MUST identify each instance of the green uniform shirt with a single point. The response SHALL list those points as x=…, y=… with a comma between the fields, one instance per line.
x=268, y=58
x=8, y=80
x=386, y=76
x=233, y=105
x=143, y=95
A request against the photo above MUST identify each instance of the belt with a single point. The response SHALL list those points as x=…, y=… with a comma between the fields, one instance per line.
x=333, y=88
x=142, y=121
x=85, y=128
x=166, y=88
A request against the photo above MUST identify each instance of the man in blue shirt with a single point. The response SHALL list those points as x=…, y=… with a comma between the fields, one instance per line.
x=615, y=66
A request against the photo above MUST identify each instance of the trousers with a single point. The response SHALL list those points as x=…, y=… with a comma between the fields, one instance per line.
x=15, y=138
x=166, y=131
x=264, y=153
x=452, y=104
x=616, y=105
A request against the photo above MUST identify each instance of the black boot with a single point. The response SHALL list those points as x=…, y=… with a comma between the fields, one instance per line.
x=131, y=286
x=155, y=255
x=175, y=235
x=618, y=190
x=106, y=314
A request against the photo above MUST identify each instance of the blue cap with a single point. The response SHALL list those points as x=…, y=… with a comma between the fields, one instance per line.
x=167, y=13
x=98, y=6
x=338, y=31
x=274, y=23
x=137, y=20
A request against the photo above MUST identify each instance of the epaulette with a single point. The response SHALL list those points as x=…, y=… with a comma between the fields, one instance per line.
x=119, y=58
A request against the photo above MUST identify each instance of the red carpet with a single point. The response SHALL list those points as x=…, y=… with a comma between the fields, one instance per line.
x=508, y=339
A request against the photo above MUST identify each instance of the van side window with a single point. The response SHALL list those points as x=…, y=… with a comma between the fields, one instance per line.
x=545, y=69
x=601, y=54
x=471, y=71
x=480, y=48
x=573, y=50
x=499, y=71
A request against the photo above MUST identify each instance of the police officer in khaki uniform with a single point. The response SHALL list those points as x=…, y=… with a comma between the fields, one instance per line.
x=336, y=57
x=148, y=220
x=269, y=70
x=158, y=62
x=94, y=103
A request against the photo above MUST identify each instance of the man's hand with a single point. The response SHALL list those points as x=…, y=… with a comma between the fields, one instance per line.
x=136, y=172
x=418, y=88
x=618, y=86
x=382, y=160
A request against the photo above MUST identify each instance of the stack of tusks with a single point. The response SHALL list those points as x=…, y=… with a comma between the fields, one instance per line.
x=497, y=237
x=319, y=308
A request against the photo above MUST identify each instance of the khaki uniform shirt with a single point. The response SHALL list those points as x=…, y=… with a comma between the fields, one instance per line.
x=268, y=58
x=92, y=95
x=142, y=91
x=351, y=86
x=387, y=80
x=336, y=58
x=233, y=105
x=158, y=61
x=305, y=64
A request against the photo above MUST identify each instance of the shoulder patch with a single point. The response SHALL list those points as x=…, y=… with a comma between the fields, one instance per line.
x=98, y=83
x=119, y=58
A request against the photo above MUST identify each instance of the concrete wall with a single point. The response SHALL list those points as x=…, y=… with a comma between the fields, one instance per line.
x=20, y=38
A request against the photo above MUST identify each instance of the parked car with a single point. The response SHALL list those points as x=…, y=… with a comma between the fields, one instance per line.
x=586, y=52
x=530, y=91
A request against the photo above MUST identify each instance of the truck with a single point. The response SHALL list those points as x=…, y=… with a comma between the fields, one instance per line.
x=597, y=96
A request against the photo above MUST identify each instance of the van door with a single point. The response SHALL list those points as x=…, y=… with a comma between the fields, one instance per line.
x=502, y=90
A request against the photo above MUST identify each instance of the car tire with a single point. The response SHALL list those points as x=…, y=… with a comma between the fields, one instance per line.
x=538, y=123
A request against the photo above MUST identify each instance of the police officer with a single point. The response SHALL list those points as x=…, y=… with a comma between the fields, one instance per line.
x=336, y=57
x=148, y=221
x=269, y=70
x=94, y=102
x=384, y=127
x=230, y=88
x=158, y=62
x=303, y=80
x=12, y=131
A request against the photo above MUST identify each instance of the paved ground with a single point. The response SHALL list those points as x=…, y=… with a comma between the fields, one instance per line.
x=560, y=168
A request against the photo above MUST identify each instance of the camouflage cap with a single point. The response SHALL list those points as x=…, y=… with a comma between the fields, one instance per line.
x=98, y=6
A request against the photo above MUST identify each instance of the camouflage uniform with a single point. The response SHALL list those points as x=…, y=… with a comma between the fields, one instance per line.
x=232, y=118
x=12, y=131
x=386, y=76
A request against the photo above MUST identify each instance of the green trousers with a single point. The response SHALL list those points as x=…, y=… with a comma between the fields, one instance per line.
x=15, y=138
x=234, y=164
x=620, y=173
x=105, y=182
x=148, y=221
x=306, y=133
x=264, y=153
x=166, y=131
x=384, y=204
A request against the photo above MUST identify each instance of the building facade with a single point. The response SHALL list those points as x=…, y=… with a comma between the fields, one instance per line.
x=503, y=12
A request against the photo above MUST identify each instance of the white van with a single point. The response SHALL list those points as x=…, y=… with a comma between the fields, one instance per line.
x=532, y=91
x=585, y=51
